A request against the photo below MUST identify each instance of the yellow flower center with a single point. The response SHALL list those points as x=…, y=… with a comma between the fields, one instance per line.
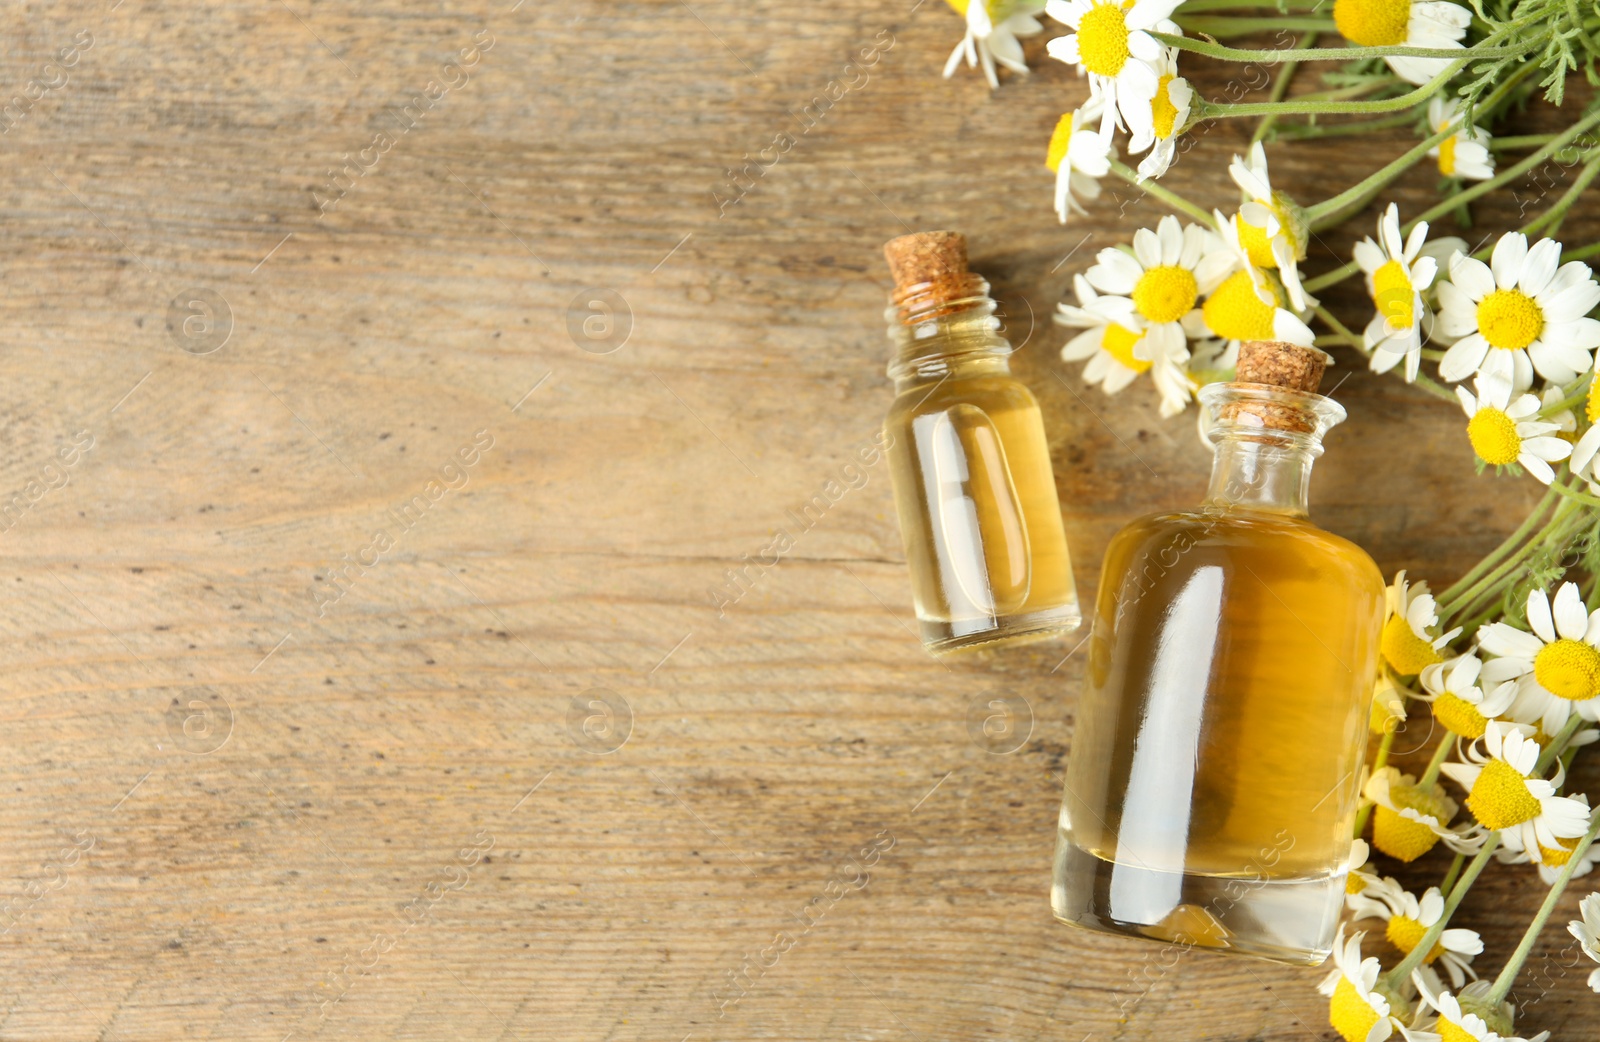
x=1395, y=296
x=1387, y=711
x=1459, y=716
x=1118, y=342
x=1354, y=883
x=1447, y=156
x=1500, y=797
x=1449, y=1032
x=1234, y=312
x=1509, y=319
x=1103, y=40
x=1256, y=244
x=1494, y=436
x=1406, y=933
x=1166, y=293
x=1406, y=652
x=1164, y=112
x=992, y=6
x=1254, y=239
x=1059, y=139
x=1568, y=669
x=1351, y=1015
x=1560, y=855
x=1593, y=409
x=1372, y=23
x=1407, y=839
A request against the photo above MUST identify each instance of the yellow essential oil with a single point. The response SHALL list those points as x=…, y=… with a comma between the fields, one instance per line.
x=1215, y=766
x=970, y=465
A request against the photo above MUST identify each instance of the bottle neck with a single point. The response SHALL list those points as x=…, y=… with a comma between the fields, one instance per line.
x=943, y=330
x=1261, y=473
x=1265, y=440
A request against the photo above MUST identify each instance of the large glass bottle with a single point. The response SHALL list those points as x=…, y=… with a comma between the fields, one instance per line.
x=1215, y=767
x=969, y=462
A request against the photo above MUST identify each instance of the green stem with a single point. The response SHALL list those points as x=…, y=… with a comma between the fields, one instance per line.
x=1403, y=969
x=1502, y=983
x=1442, y=393
x=1557, y=744
x=1512, y=144
x=1465, y=196
x=1450, y=876
x=1378, y=763
x=1365, y=126
x=1273, y=55
x=1494, y=556
x=1339, y=328
x=1581, y=253
x=1576, y=496
x=1280, y=87
x=1553, y=217
x=1233, y=5
x=1166, y=195
x=1558, y=527
x=1431, y=775
x=1221, y=26
x=1332, y=211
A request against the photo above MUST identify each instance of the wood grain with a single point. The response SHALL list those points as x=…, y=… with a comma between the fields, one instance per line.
x=239, y=808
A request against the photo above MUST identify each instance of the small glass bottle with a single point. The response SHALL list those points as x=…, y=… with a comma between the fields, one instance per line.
x=969, y=462
x=1215, y=767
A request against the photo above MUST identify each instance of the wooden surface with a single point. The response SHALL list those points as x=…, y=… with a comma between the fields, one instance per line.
x=239, y=807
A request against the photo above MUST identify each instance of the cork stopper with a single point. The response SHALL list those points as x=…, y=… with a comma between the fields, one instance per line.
x=929, y=269
x=1276, y=363
x=926, y=257
x=1281, y=364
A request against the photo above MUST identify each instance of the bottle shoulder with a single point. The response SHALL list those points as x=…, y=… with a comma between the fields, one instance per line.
x=1240, y=534
x=992, y=392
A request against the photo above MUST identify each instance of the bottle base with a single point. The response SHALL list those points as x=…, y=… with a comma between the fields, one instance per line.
x=946, y=638
x=1285, y=920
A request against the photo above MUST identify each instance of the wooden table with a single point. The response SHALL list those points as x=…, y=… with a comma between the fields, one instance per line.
x=363, y=673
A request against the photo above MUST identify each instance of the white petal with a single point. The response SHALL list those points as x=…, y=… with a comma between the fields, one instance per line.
x=1506, y=262
x=1472, y=276
x=1572, y=618
x=1539, y=617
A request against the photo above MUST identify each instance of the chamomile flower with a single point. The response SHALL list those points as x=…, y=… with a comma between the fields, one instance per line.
x=1523, y=312
x=1408, y=820
x=1156, y=125
x=1394, y=23
x=1112, y=329
x=1557, y=666
x=1552, y=861
x=1388, y=705
x=1361, y=885
x=1505, y=431
x=1411, y=640
x=1111, y=41
x=1459, y=703
x=1586, y=453
x=1247, y=305
x=1397, y=277
x=1465, y=154
x=1360, y=1007
x=1272, y=228
x=1168, y=271
x=1587, y=931
x=1468, y=1015
x=1408, y=918
x=1503, y=797
x=993, y=28
x=1078, y=156
x=1163, y=278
